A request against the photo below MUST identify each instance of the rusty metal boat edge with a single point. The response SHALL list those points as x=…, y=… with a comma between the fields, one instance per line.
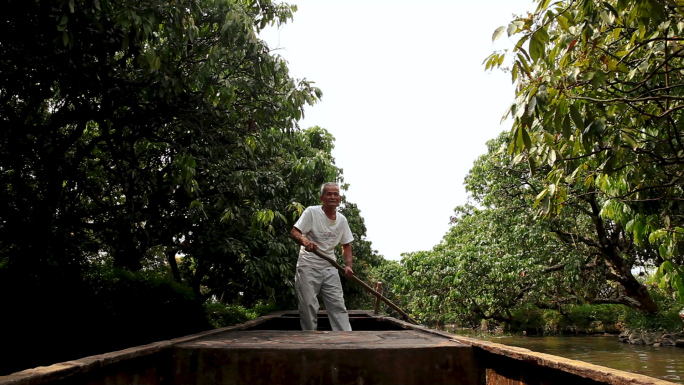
x=489, y=363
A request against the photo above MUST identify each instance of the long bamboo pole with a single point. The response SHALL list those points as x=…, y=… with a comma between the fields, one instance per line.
x=369, y=289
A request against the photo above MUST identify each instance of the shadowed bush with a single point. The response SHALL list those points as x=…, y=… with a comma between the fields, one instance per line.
x=61, y=317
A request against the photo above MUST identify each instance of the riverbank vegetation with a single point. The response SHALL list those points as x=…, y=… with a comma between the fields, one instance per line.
x=575, y=207
x=573, y=318
x=151, y=167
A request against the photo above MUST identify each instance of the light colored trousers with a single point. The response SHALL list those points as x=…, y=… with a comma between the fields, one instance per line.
x=309, y=282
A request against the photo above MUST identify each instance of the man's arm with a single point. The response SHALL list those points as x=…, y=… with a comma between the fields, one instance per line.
x=347, y=254
x=298, y=237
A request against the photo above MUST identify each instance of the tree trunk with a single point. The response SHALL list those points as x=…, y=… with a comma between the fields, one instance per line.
x=612, y=252
x=171, y=258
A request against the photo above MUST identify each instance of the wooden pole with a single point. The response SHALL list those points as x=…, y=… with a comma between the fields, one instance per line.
x=339, y=267
x=378, y=288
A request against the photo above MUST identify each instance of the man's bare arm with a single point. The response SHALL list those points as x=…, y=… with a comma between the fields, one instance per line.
x=298, y=237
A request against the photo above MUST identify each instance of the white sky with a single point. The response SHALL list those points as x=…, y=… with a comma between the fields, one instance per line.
x=407, y=99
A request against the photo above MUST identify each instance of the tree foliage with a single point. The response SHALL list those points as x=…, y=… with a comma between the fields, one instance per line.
x=120, y=107
x=390, y=273
x=587, y=184
x=134, y=132
x=599, y=100
x=501, y=257
x=500, y=180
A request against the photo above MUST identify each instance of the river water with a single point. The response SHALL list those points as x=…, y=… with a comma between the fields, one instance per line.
x=662, y=362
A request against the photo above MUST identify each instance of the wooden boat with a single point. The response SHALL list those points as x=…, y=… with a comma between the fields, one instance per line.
x=273, y=350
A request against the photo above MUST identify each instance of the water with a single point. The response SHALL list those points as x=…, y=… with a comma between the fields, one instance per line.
x=662, y=362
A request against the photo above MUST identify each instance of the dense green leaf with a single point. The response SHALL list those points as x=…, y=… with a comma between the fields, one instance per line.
x=536, y=47
x=576, y=117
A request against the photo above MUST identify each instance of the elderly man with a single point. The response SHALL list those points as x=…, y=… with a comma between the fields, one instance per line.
x=322, y=228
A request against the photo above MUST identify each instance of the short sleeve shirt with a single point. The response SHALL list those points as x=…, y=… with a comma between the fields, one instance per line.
x=324, y=232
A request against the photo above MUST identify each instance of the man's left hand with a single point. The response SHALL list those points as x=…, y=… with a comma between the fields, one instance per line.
x=348, y=272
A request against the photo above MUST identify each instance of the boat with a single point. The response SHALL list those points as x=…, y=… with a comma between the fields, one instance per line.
x=274, y=350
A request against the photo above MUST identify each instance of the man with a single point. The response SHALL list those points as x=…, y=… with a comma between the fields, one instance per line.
x=322, y=228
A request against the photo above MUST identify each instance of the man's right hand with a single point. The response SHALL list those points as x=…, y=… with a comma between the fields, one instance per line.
x=296, y=234
x=310, y=246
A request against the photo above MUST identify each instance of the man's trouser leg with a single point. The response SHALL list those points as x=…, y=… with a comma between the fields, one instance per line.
x=331, y=291
x=308, y=284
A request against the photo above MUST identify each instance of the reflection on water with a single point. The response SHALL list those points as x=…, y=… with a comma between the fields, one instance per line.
x=662, y=362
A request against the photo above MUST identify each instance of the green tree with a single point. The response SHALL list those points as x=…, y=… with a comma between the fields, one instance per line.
x=500, y=257
x=390, y=273
x=494, y=257
x=109, y=109
x=488, y=263
x=128, y=109
x=242, y=251
x=133, y=132
x=239, y=241
x=502, y=181
x=599, y=100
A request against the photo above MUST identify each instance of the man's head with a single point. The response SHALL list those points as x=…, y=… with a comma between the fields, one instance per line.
x=330, y=194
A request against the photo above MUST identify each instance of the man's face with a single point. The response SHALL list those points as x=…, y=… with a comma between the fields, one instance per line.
x=331, y=196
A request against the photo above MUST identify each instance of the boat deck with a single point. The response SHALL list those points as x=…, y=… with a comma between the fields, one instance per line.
x=370, y=354
x=271, y=339
x=370, y=357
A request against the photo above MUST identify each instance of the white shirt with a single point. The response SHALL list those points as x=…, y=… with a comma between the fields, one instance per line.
x=324, y=232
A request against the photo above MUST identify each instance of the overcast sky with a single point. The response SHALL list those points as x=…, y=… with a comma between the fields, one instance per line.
x=407, y=99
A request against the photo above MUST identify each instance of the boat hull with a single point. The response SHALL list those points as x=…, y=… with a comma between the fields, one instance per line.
x=272, y=350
